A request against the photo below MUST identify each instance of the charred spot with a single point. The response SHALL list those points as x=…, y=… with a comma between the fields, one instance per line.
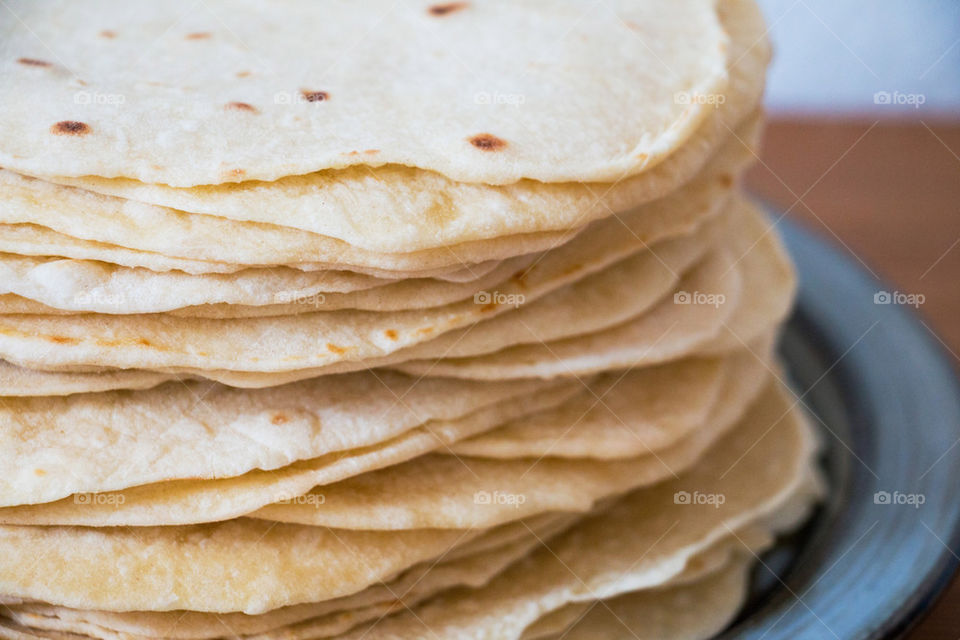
x=108, y=34
x=315, y=96
x=70, y=128
x=242, y=106
x=33, y=62
x=487, y=142
x=279, y=418
x=199, y=35
x=447, y=8
x=390, y=333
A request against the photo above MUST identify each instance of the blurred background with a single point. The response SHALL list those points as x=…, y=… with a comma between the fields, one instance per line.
x=863, y=146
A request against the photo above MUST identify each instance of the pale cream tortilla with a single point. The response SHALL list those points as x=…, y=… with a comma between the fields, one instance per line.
x=205, y=431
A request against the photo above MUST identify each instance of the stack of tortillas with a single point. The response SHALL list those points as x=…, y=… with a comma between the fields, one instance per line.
x=387, y=320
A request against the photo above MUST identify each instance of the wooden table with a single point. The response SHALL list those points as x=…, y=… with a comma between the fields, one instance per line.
x=888, y=194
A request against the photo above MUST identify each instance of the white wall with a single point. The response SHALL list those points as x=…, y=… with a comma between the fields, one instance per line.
x=834, y=55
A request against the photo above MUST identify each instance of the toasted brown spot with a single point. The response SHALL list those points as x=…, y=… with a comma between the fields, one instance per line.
x=242, y=106
x=200, y=35
x=62, y=340
x=108, y=34
x=447, y=8
x=39, y=472
x=33, y=62
x=487, y=142
x=370, y=152
x=335, y=349
x=425, y=330
x=143, y=342
x=642, y=157
x=726, y=179
x=315, y=96
x=390, y=333
x=244, y=74
x=519, y=277
x=279, y=418
x=70, y=128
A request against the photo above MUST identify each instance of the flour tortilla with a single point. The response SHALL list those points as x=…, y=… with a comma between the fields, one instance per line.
x=655, y=54
x=415, y=209
x=93, y=226
x=666, y=331
x=689, y=611
x=626, y=414
x=92, y=286
x=470, y=564
x=318, y=339
x=204, y=430
x=646, y=539
x=75, y=286
x=189, y=501
x=272, y=565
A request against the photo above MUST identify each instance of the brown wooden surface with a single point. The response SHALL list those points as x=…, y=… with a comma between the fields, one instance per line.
x=889, y=195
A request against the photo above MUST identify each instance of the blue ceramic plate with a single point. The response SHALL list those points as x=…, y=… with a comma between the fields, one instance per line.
x=886, y=542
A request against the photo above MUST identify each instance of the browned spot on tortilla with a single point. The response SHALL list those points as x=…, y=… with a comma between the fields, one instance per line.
x=642, y=157
x=233, y=174
x=63, y=340
x=425, y=330
x=33, y=62
x=242, y=106
x=519, y=277
x=352, y=153
x=106, y=33
x=726, y=179
x=335, y=349
x=244, y=74
x=390, y=333
x=573, y=268
x=39, y=472
x=200, y=35
x=370, y=152
x=143, y=342
x=447, y=8
x=315, y=96
x=488, y=307
x=70, y=128
x=487, y=142
x=279, y=418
